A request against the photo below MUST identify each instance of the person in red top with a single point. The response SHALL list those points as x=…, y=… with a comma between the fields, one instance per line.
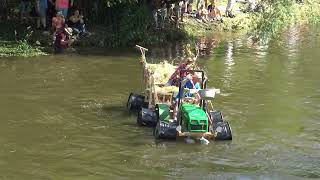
x=63, y=40
x=63, y=6
x=174, y=77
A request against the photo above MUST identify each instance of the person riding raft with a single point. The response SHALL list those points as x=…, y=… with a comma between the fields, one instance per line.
x=173, y=80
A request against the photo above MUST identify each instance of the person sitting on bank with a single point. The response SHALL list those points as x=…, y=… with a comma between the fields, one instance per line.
x=214, y=12
x=173, y=80
x=202, y=14
x=76, y=22
x=58, y=22
x=63, y=40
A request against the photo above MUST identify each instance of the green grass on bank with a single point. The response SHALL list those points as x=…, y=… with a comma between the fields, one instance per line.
x=16, y=40
x=241, y=23
x=18, y=49
x=262, y=25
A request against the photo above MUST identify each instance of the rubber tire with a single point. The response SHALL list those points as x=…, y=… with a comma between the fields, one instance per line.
x=129, y=107
x=156, y=132
x=139, y=118
x=226, y=134
x=216, y=116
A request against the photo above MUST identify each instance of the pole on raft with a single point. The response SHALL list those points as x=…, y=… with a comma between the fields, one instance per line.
x=144, y=62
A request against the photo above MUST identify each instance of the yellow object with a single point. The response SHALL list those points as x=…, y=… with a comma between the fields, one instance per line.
x=161, y=72
x=167, y=89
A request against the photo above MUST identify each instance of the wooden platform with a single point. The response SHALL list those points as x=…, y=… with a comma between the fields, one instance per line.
x=208, y=135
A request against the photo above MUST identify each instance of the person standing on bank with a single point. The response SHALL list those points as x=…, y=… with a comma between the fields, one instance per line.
x=25, y=9
x=41, y=7
x=63, y=6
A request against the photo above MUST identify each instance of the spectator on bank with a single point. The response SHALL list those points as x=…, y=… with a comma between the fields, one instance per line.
x=163, y=14
x=202, y=14
x=51, y=12
x=76, y=22
x=178, y=13
x=41, y=8
x=25, y=10
x=189, y=8
x=229, y=8
x=200, y=3
x=63, y=40
x=184, y=5
x=170, y=11
x=155, y=4
x=63, y=6
x=214, y=12
x=58, y=22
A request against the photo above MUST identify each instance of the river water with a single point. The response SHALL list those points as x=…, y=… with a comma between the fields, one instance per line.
x=63, y=117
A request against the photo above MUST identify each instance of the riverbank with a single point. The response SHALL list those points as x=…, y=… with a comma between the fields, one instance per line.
x=260, y=25
x=16, y=40
x=263, y=25
x=19, y=48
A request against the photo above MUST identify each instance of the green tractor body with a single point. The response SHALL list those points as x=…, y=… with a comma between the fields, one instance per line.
x=163, y=112
x=194, y=118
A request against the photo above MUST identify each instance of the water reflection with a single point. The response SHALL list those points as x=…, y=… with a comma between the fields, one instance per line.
x=295, y=38
x=176, y=51
x=206, y=45
x=229, y=62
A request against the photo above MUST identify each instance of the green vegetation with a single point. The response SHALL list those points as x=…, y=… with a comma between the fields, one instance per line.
x=18, y=48
x=127, y=24
x=241, y=23
x=132, y=23
x=17, y=42
x=263, y=25
x=279, y=14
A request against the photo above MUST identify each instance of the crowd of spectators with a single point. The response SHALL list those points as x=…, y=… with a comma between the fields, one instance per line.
x=202, y=10
x=57, y=17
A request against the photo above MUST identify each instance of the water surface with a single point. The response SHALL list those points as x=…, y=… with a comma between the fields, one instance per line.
x=63, y=117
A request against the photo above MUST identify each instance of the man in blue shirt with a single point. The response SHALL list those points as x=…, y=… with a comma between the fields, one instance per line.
x=192, y=82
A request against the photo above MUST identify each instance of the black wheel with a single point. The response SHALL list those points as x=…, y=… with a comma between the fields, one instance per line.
x=129, y=102
x=156, y=131
x=139, y=118
x=135, y=102
x=223, y=131
x=216, y=116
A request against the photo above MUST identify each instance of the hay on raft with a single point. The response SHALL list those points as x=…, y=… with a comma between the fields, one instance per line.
x=161, y=72
x=166, y=89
